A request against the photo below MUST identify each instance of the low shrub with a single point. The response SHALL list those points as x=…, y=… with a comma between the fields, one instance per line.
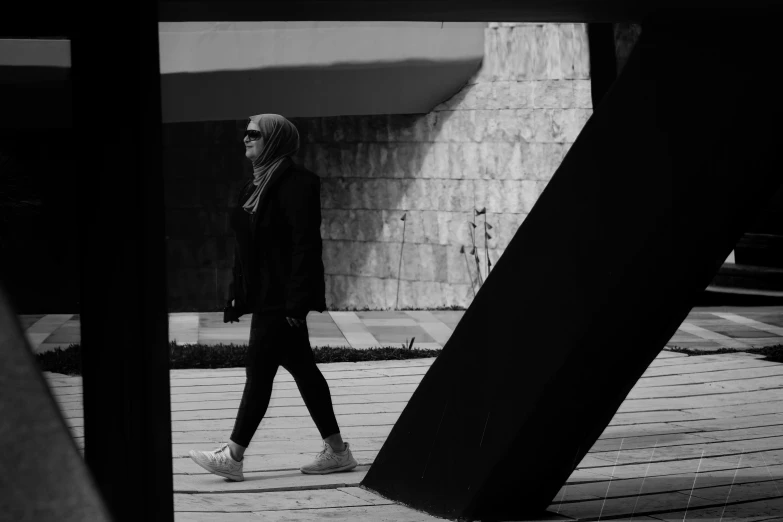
x=772, y=353
x=189, y=356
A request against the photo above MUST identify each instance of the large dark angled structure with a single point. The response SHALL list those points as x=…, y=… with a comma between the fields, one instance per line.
x=649, y=201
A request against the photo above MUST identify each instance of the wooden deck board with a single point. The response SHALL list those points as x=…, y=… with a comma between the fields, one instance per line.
x=374, y=513
x=716, y=418
x=759, y=511
x=712, y=377
x=345, y=383
x=265, y=481
x=267, y=501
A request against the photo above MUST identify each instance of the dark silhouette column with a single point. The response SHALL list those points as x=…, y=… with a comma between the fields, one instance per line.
x=124, y=319
x=603, y=59
x=647, y=204
x=45, y=478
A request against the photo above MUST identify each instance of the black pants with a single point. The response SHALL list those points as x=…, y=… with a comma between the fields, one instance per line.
x=273, y=343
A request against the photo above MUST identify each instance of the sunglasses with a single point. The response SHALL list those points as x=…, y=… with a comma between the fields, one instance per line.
x=252, y=134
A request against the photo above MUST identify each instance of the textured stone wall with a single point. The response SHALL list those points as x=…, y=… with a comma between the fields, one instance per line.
x=495, y=144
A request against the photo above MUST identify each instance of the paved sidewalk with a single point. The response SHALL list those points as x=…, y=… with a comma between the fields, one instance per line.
x=431, y=329
x=706, y=328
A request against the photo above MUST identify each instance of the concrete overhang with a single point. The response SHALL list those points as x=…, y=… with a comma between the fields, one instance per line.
x=35, y=87
x=536, y=11
x=227, y=70
x=231, y=70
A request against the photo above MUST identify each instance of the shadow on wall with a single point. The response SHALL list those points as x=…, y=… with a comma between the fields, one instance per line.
x=368, y=166
x=204, y=168
x=39, y=226
x=367, y=162
x=373, y=171
x=411, y=86
x=495, y=143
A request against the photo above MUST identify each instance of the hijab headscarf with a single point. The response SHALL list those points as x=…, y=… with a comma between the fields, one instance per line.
x=281, y=140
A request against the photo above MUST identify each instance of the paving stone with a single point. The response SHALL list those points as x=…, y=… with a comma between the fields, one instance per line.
x=28, y=320
x=49, y=323
x=35, y=339
x=741, y=335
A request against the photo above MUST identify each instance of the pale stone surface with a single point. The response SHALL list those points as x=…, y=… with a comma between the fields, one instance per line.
x=362, y=274
x=575, y=51
x=512, y=196
x=494, y=144
x=427, y=227
x=504, y=125
x=537, y=161
x=583, y=94
x=437, y=161
x=420, y=261
x=398, y=194
x=359, y=293
x=455, y=229
x=535, y=51
x=554, y=94
x=568, y=123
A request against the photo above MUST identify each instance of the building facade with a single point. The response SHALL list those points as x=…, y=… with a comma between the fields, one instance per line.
x=494, y=146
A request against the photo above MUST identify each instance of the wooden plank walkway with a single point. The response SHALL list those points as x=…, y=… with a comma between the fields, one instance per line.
x=698, y=438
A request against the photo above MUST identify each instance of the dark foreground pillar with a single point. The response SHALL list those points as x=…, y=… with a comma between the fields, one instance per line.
x=127, y=407
x=44, y=478
x=603, y=60
x=633, y=226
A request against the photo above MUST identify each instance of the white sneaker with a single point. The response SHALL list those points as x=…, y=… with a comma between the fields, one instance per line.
x=219, y=462
x=329, y=461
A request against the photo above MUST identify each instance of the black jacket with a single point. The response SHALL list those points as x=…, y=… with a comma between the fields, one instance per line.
x=278, y=267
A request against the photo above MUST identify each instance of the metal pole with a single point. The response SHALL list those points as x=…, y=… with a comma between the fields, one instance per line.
x=399, y=267
x=467, y=266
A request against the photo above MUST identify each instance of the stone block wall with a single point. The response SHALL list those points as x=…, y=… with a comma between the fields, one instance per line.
x=495, y=144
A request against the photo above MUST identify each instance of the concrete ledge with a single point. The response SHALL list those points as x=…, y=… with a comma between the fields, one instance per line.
x=224, y=70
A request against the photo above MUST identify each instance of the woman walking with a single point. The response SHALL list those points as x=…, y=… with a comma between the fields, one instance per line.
x=278, y=278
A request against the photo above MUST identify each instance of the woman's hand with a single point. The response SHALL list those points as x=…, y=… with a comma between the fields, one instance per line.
x=296, y=323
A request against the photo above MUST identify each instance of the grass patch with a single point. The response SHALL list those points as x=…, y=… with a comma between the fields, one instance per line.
x=772, y=353
x=190, y=356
